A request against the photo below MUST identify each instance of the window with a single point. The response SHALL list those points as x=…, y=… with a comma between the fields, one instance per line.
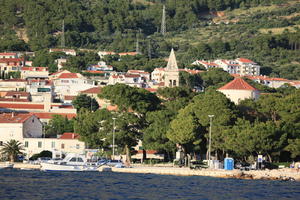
x=62, y=146
x=1, y=143
x=26, y=143
x=77, y=146
x=39, y=144
x=52, y=145
x=32, y=120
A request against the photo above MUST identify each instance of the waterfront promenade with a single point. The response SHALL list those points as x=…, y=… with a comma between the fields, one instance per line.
x=278, y=174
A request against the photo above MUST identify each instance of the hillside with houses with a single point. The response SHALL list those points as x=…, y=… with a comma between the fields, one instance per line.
x=153, y=77
x=62, y=111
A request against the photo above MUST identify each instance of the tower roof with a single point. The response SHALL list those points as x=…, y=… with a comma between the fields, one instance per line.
x=172, y=63
x=237, y=84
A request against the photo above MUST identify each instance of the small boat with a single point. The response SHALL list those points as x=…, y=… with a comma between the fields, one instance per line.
x=72, y=162
x=6, y=165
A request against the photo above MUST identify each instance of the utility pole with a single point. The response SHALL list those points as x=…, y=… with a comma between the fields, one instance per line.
x=63, y=34
x=163, y=21
x=113, y=142
x=209, y=144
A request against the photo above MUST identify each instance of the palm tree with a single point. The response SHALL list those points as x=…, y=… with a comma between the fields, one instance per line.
x=12, y=148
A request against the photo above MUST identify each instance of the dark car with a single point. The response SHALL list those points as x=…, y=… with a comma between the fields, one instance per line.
x=268, y=165
x=198, y=164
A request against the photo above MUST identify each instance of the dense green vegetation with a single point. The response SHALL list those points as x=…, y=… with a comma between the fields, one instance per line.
x=269, y=126
x=246, y=30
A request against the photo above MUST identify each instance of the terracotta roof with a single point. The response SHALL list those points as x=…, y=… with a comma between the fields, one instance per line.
x=148, y=151
x=21, y=106
x=47, y=115
x=68, y=75
x=14, y=117
x=22, y=94
x=237, y=84
x=6, y=60
x=151, y=89
x=14, y=100
x=37, y=69
x=94, y=90
x=245, y=60
x=70, y=136
x=8, y=54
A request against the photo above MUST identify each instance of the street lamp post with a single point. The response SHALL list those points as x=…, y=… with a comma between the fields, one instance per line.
x=113, y=142
x=209, y=144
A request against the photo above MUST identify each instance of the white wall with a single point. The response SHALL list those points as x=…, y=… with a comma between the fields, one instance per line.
x=50, y=144
x=238, y=95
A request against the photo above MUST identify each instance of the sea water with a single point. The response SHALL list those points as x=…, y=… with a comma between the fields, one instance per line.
x=31, y=185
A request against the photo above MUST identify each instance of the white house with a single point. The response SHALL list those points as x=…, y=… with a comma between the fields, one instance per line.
x=12, y=84
x=66, y=143
x=206, y=64
x=71, y=52
x=128, y=79
x=248, y=67
x=34, y=72
x=238, y=90
x=8, y=55
x=71, y=84
x=19, y=126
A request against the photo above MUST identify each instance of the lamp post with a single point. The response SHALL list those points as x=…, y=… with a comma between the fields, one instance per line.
x=113, y=142
x=209, y=144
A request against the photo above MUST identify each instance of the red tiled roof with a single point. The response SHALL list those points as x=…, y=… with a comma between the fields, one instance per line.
x=14, y=117
x=68, y=75
x=151, y=89
x=22, y=94
x=94, y=90
x=245, y=60
x=46, y=115
x=8, y=54
x=21, y=106
x=6, y=60
x=70, y=136
x=38, y=69
x=237, y=84
x=14, y=100
x=148, y=151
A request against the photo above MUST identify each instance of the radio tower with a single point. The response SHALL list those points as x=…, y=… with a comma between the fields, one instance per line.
x=149, y=49
x=163, y=22
x=63, y=34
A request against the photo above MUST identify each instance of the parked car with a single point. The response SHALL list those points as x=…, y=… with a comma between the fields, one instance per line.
x=115, y=163
x=243, y=166
x=198, y=164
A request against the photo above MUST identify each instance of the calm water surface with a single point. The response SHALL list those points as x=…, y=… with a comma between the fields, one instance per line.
x=18, y=184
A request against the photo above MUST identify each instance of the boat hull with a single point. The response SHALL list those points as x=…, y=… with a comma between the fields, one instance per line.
x=59, y=167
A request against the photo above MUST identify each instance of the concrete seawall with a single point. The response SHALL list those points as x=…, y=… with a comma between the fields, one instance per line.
x=281, y=174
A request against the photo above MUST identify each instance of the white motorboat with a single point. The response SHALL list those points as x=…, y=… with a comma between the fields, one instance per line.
x=6, y=166
x=72, y=162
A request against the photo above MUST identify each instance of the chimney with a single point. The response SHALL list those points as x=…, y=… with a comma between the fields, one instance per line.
x=73, y=135
x=12, y=114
